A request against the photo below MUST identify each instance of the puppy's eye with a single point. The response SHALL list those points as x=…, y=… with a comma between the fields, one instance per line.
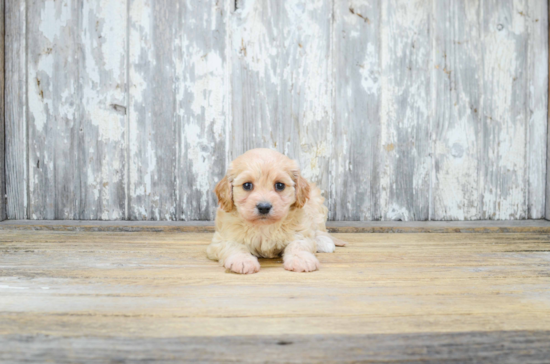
x=279, y=186
x=248, y=186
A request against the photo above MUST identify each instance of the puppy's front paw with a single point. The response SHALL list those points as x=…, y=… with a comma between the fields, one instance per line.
x=242, y=263
x=324, y=244
x=301, y=262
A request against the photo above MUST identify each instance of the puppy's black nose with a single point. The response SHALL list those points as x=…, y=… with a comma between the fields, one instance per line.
x=264, y=207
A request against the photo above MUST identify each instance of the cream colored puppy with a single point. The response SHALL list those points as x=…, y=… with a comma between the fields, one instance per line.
x=266, y=208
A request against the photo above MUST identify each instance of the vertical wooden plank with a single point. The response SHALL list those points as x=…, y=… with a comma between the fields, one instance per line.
x=457, y=74
x=405, y=161
x=102, y=134
x=178, y=108
x=256, y=35
x=281, y=84
x=355, y=180
x=547, y=214
x=201, y=85
x=54, y=101
x=537, y=110
x=504, y=137
x=2, y=119
x=76, y=101
x=153, y=121
x=16, y=110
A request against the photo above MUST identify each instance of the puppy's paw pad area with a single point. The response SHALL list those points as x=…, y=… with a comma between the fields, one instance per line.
x=242, y=264
x=324, y=244
x=301, y=262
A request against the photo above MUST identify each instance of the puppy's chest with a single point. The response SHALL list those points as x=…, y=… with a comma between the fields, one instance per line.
x=267, y=243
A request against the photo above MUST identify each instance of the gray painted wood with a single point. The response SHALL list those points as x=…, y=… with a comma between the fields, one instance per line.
x=54, y=106
x=279, y=99
x=503, y=134
x=457, y=79
x=537, y=106
x=76, y=83
x=2, y=118
x=399, y=110
x=16, y=110
x=355, y=178
x=177, y=112
x=545, y=24
x=153, y=124
x=103, y=114
x=405, y=108
x=202, y=84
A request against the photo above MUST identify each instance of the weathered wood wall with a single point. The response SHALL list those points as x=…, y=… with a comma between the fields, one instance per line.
x=548, y=133
x=2, y=119
x=398, y=109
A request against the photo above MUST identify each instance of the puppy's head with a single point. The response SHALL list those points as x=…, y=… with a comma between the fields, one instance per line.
x=262, y=185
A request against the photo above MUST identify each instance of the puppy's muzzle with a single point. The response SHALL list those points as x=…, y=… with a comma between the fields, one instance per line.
x=264, y=208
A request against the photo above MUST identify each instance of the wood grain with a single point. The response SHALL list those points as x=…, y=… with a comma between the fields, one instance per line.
x=405, y=107
x=2, y=116
x=177, y=110
x=464, y=347
x=202, y=84
x=456, y=125
x=355, y=178
x=399, y=110
x=279, y=100
x=153, y=131
x=54, y=101
x=504, y=122
x=16, y=109
x=85, y=288
x=537, y=108
x=76, y=92
x=547, y=209
x=103, y=87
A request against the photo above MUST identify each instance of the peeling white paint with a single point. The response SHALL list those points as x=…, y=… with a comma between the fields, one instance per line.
x=452, y=109
x=404, y=113
x=114, y=29
x=199, y=157
x=457, y=110
x=538, y=185
x=369, y=71
x=55, y=16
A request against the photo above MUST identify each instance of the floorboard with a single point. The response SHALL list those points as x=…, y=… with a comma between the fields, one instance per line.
x=68, y=296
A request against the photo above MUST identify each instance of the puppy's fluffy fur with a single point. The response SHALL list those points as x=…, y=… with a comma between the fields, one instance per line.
x=294, y=227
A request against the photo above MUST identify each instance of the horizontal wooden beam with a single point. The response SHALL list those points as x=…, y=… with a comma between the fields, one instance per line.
x=515, y=226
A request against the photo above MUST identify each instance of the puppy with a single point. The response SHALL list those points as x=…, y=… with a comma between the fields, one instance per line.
x=266, y=208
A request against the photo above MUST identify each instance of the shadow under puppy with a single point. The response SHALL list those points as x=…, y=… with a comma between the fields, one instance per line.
x=266, y=208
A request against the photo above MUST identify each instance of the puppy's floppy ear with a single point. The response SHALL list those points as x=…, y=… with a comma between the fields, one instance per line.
x=224, y=192
x=302, y=189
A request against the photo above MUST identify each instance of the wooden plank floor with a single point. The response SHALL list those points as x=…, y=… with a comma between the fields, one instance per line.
x=70, y=297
